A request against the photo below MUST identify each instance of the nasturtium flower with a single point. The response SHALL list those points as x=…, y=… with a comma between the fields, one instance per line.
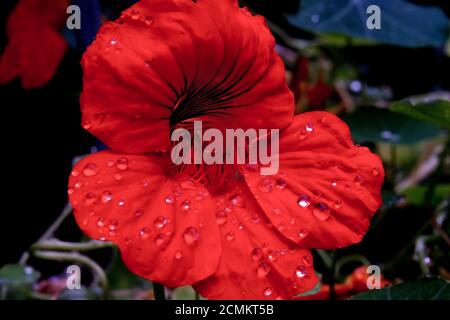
x=35, y=46
x=224, y=229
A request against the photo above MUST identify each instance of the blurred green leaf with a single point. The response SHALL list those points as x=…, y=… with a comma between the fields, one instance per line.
x=422, y=289
x=381, y=125
x=436, y=111
x=402, y=23
x=18, y=275
x=416, y=195
x=121, y=278
x=184, y=293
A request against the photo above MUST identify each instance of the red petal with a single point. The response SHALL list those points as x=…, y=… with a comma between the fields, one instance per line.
x=257, y=262
x=162, y=225
x=337, y=183
x=168, y=62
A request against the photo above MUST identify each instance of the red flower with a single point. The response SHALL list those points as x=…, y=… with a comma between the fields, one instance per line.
x=222, y=228
x=35, y=46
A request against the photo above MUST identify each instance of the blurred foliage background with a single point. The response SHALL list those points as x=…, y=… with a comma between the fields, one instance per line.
x=391, y=86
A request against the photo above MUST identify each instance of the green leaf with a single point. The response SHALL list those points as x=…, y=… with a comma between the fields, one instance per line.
x=427, y=108
x=402, y=23
x=381, y=125
x=184, y=293
x=422, y=289
x=18, y=275
x=416, y=195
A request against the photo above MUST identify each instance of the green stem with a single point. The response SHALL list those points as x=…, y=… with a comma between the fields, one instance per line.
x=59, y=245
x=160, y=293
x=81, y=259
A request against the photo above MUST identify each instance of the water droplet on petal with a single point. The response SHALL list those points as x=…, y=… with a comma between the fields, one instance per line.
x=113, y=224
x=321, y=211
x=90, y=198
x=139, y=213
x=134, y=14
x=113, y=42
x=263, y=269
x=221, y=217
x=122, y=164
x=359, y=180
x=106, y=196
x=300, y=272
x=185, y=205
x=118, y=176
x=144, y=233
x=90, y=170
x=333, y=183
x=304, y=201
x=277, y=211
x=307, y=261
x=160, y=222
x=70, y=191
x=74, y=173
x=266, y=185
x=159, y=239
x=338, y=204
x=178, y=255
x=121, y=203
x=101, y=222
x=237, y=201
x=309, y=128
x=191, y=236
x=281, y=183
x=148, y=20
x=169, y=199
x=303, y=233
x=257, y=254
x=268, y=291
x=230, y=236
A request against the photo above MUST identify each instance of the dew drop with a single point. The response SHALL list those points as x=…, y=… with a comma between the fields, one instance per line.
x=160, y=222
x=90, y=170
x=309, y=128
x=338, y=204
x=257, y=254
x=303, y=233
x=134, y=14
x=191, y=236
x=359, y=180
x=266, y=185
x=74, y=173
x=307, y=261
x=113, y=224
x=230, y=236
x=70, y=191
x=334, y=183
x=122, y=164
x=268, y=291
x=148, y=20
x=121, y=203
x=321, y=212
x=169, y=199
x=185, y=205
x=277, y=211
x=304, y=201
x=144, y=233
x=300, y=272
x=159, y=239
x=281, y=183
x=139, y=213
x=118, y=177
x=221, y=217
x=101, y=222
x=90, y=198
x=263, y=269
x=113, y=42
x=237, y=201
x=178, y=255
x=106, y=196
